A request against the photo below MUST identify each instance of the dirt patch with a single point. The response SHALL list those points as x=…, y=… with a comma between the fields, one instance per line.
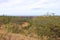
x=13, y=36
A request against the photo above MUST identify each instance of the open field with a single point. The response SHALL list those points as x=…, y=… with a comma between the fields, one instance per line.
x=29, y=28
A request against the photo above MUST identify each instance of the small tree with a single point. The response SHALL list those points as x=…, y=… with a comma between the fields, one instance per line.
x=53, y=14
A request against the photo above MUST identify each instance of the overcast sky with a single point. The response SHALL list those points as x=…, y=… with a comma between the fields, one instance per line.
x=29, y=7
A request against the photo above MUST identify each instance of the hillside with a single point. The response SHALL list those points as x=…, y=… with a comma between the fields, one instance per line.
x=29, y=28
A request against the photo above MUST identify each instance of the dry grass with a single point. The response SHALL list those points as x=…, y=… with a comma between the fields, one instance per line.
x=12, y=36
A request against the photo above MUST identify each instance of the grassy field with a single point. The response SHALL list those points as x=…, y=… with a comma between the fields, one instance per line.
x=30, y=28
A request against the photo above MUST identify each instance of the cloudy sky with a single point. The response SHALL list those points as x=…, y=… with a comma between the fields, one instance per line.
x=29, y=7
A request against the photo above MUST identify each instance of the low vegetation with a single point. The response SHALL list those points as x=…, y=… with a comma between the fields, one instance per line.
x=45, y=27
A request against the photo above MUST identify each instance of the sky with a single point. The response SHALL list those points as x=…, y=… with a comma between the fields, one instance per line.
x=29, y=7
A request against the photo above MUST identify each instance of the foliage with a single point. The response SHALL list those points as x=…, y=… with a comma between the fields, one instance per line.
x=41, y=26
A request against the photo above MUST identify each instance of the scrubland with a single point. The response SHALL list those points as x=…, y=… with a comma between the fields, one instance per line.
x=29, y=28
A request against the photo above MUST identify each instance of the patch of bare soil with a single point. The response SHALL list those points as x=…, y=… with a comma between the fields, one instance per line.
x=12, y=36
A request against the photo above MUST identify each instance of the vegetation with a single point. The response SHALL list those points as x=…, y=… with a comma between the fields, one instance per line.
x=42, y=26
